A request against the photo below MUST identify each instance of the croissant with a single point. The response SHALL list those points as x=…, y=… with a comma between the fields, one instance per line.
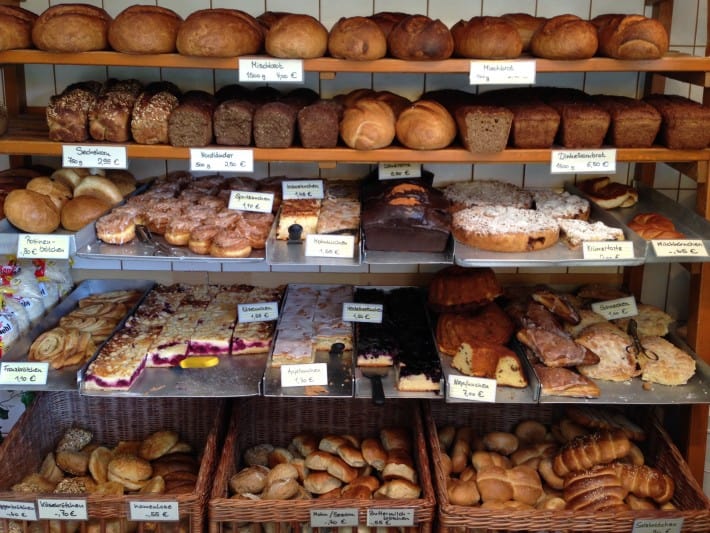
x=645, y=481
x=589, y=450
x=596, y=489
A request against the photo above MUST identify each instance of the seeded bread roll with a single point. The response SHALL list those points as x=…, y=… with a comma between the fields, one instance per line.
x=151, y=112
x=190, y=123
x=357, y=38
x=16, y=27
x=486, y=38
x=144, y=29
x=417, y=37
x=296, y=36
x=219, y=32
x=565, y=37
x=71, y=28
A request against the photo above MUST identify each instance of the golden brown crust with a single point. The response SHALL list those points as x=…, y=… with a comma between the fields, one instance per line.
x=357, y=38
x=425, y=125
x=633, y=37
x=368, y=124
x=486, y=38
x=31, y=211
x=526, y=25
x=219, y=32
x=296, y=36
x=490, y=324
x=16, y=27
x=80, y=211
x=418, y=37
x=565, y=37
x=144, y=29
x=71, y=28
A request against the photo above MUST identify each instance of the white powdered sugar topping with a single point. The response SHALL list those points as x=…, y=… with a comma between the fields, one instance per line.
x=488, y=192
x=578, y=231
x=560, y=205
x=495, y=220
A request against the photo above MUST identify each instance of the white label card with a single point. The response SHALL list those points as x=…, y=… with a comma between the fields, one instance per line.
x=227, y=160
x=362, y=312
x=606, y=250
x=36, y=246
x=263, y=69
x=618, y=308
x=473, y=389
x=302, y=190
x=51, y=509
x=18, y=510
x=390, y=517
x=258, y=312
x=158, y=511
x=491, y=72
x=583, y=161
x=304, y=375
x=334, y=518
x=394, y=171
x=261, y=202
x=337, y=246
x=94, y=156
x=657, y=525
x=24, y=373
x=679, y=248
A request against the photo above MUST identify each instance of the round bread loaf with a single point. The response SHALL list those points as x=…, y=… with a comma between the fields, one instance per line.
x=82, y=210
x=632, y=37
x=31, y=211
x=368, y=124
x=486, y=38
x=296, y=36
x=418, y=37
x=71, y=28
x=565, y=37
x=219, y=32
x=357, y=38
x=144, y=29
x=16, y=27
x=526, y=25
x=425, y=125
x=99, y=187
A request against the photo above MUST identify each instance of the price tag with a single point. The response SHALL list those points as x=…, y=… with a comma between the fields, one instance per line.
x=657, y=525
x=157, y=511
x=334, y=518
x=36, y=246
x=24, y=373
x=302, y=190
x=258, y=312
x=94, y=156
x=608, y=250
x=473, y=389
x=264, y=69
x=618, y=308
x=51, y=509
x=679, y=248
x=502, y=72
x=222, y=160
x=359, y=312
x=261, y=202
x=390, y=517
x=338, y=246
x=304, y=375
x=18, y=510
x=583, y=161
x=393, y=171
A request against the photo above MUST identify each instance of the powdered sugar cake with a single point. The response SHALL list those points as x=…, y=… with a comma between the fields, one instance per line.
x=487, y=193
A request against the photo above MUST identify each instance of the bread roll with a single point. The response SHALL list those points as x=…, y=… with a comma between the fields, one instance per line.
x=417, y=37
x=69, y=28
x=486, y=38
x=282, y=489
x=399, y=465
x=397, y=438
x=462, y=492
x=131, y=471
x=565, y=37
x=16, y=27
x=58, y=192
x=296, y=36
x=493, y=484
x=373, y=453
x=99, y=187
x=399, y=489
x=633, y=37
x=219, y=32
x=31, y=211
x=595, y=490
x=357, y=38
x=501, y=442
x=82, y=210
x=368, y=125
x=425, y=125
x=157, y=444
x=305, y=443
x=144, y=29
x=72, y=462
x=321, y=482
x=331, y=443
x=530, y=431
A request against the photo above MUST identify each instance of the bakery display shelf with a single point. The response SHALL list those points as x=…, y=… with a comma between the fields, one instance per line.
x=9, y=236
x=381, y=257
x=64, y=379
x=288, y=253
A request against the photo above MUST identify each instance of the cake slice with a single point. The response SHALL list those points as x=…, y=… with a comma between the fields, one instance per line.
x=252, y=337
x=171, y=345
x=212, y=334
x=292, y=347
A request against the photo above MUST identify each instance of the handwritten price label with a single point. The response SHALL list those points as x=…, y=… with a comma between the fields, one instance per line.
x=390, y=517
x=679, y=248
x=619, y=308
x=608, y=250
x=393, y=171
x=222, y=160
x=157, y=511
x=357, y=312
x=660, y=525
x=302, y=190
x=37, y=246
x=334, y=518
x=502, y=72
x=261, y=202
x=51, y=509
x=258, y=312
x=583, y=161
x=304, y=375
x=24, y=373
x=338, y=246
x=264, y=69
x=473, y=389
x=18, y=510
x=94, y=156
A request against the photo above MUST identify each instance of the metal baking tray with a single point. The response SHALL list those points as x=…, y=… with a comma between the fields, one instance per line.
x=77, y=239
x=379, y=257
x=558, y=255
x=64, y=379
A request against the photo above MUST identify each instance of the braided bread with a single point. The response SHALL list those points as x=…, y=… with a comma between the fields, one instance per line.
x=596, y=489
x=587, y=451
x=645, y=481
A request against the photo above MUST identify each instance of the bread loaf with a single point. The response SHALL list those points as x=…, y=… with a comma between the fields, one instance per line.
x=190, y=123
x=565, y=37
x=587, y=451
x=583, y=123
x=484, y=128
x=16, y=27
x=486, y=38
x=68, y=112
x=387, y=20
x=144, y=29
x=369, y=124
x=31, y=211
x=319, y=124
x=634, y=123
x=151, y=113
x=685, y=124
x=233, y=122
x=525, y=24
x=274, y=125
x=219, y=32
x=632, y=37
x=417, y=37
x=70, y=28
x=110, y=116
x=357, y=38
x=425, y=125
x=296, y=36
x=57, y=191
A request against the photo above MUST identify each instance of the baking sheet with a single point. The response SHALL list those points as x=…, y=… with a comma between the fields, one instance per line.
x=64, y=379
x=286, y=253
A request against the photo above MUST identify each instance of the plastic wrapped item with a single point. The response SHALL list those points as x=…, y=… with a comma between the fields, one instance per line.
x=9, y=331
x=15, y=307
x=58, y=272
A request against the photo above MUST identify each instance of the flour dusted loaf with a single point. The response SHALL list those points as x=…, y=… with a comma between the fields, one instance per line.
x=71, y=28
x=16, y=27
x=144, y=29
x=219, y=32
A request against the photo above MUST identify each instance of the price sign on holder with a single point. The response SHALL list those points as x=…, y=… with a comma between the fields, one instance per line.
x=657, y=525
x=258, y=312
x=158, y=511
x=395, y=171
x=583, y=161
x=608, y=250
x=262, y=69
x=304, y=375
x=618, y=308
x=227, y=160
x=390, y=517
x=56, y=509
x=11, y=510
x=260, y=202
x=94, y=156
x=362, y=312
x=336, y=246
x=679, y=248
x=473, y=389
x=24, y=373
x=302, y=190
x=334, y=517
x=36, y=246
x=501, y=72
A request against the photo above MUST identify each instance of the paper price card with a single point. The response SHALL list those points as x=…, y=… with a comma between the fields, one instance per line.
x=18, y=510
x=94, y=156
x=158, y=511
x=302, y=190
x=502, y=72
x=261, y=202
x=583, y=161
x=608, y=250
x=658, y=525
x=222, y=160
x=35, y=246
x=679, y=248
x=334, y=518
x=258, y=312
x=619, y=308
x=473, y=389
x=24, y=373
x=390, y=517
x=263, y=69
x=338, y=246
x=358, y=312
x=394, y=171
x=51, y=509
x=304, y=375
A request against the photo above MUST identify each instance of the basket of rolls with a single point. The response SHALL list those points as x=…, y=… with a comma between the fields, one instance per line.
x=559, y=468
x=73, y=463
x=295, y=463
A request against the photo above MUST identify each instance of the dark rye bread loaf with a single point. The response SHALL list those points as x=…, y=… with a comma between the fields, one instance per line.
x=319, y=123
x=110, y=116
x=275, y=125
x=233, y=121
x=151, y=112
x=685, y=125
x=190, y=123
x=583, y=123
x=68, y=112
x=634, y=123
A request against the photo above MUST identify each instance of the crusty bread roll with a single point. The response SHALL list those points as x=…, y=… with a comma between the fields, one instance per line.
x=462, y=492
x=219, y=32
x=368, y=125
x=486, y=38
x=357, y=38
x=68, y=176
x=144, y=29
x=296, y=36
x=632, y=37
x=58, y=192
x=374, y=453
x=500, y=441
x=398, y=489
x=31, y=211
x=16, y=27
x=73, y=462
x=418, y=37
x=321, y=482
x=157, y=444
x=131, y=471
x=82, y=210
x=425, y=125
x=99, y=187
x=565, y=37
x=71, y=28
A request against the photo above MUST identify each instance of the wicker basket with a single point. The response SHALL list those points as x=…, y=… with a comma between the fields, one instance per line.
x=277, y=421
x=658, y=449
x=200, y=422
